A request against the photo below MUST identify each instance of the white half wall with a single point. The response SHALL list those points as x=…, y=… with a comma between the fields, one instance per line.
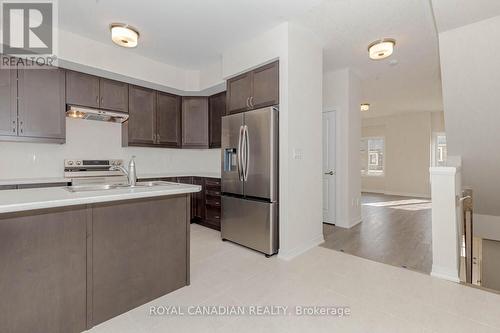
x=446, y=216
x=342, y=92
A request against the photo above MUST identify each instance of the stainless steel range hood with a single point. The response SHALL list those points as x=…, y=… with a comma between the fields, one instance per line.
x=78, y=112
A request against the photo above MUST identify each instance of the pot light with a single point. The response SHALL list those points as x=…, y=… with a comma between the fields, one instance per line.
x=365, y=107
x=381, y=49
x=124, y=35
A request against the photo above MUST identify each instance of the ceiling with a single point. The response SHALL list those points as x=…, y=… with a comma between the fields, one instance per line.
x=451, y=14
x=192, y=34
x=184, y=33
x=348, y=26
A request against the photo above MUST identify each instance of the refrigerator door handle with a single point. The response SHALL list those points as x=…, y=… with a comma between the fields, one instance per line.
x=238, y=154
x=247, y=151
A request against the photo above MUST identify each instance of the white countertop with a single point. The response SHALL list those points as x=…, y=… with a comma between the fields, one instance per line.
x=41, y=198
x=48, y=180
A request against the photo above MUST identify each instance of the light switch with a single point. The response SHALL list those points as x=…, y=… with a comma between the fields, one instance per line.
x=297, y=153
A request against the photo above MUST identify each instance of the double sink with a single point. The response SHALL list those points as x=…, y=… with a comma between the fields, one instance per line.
x=103, y=187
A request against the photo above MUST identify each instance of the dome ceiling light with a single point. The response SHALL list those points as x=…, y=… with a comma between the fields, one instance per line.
x=124, y=35
x=365, y=107
x=381, y=49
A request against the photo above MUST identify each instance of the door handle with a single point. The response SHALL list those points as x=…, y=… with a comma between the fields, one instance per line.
x=238, y=154
x=247, y=151
x=248, y=102
x=251, y=101
x=331, y=173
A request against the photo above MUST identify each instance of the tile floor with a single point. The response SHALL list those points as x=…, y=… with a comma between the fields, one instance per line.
x=381, y=298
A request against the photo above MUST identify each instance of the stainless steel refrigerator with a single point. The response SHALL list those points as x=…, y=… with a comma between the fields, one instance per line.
x=250, y=179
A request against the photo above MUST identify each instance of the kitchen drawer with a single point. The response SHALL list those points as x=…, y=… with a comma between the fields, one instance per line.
x=213, y=193
x=212, y=183
x=212, y=214
x=213, y=201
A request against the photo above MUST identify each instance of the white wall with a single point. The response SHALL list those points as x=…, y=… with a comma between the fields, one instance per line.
x=300, y=56
x=83, y=52
x=304, y=180
x=87, y=139
x=341, y=92
x=407, y=152
x=93, y=139
x=470, y=69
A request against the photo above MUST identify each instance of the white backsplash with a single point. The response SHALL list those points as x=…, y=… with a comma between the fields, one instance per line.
x=86, y=139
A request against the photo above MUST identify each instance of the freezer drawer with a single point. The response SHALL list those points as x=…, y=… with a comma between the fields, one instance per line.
x=251, y=223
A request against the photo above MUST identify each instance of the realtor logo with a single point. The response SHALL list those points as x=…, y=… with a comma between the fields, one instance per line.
x=27, y=28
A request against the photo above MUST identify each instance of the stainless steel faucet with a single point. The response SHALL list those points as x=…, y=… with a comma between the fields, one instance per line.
x=130, y=173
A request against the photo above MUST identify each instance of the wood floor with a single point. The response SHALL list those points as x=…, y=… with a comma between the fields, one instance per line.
x=395, y=231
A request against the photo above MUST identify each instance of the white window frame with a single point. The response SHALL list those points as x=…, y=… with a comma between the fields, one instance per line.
x=367, y=173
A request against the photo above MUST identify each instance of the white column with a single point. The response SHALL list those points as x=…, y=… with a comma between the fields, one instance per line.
x=446, y=219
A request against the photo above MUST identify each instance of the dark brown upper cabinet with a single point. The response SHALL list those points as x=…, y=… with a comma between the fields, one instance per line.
x=195, y=122
x=217, y=109
x=265, y=86
x=82, y=89
x=91, y=91
x=239, y=90
x=8, y=105
x=113, y=95
x=168, y=120
x=255, y=89
x=140, y=129
x=41, y=107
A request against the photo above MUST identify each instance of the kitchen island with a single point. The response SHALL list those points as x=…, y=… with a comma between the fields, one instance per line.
x=71, y=260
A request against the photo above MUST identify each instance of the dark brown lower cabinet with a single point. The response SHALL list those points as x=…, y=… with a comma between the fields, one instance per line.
x=206, y=204
x=43, y=271
x=139, y=253
x=64, y=270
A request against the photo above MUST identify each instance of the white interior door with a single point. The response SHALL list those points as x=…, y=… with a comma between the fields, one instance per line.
x=329, y=140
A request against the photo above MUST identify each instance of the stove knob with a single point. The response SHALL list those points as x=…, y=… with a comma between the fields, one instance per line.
x=70, y=162
x=78, y=163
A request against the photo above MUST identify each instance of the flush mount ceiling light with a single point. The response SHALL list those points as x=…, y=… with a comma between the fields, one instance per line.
x=365, y=107
x=124, y=35
x=381, y=49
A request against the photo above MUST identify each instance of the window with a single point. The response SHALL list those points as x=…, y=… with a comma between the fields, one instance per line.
x=440, y=150
x=372, y=156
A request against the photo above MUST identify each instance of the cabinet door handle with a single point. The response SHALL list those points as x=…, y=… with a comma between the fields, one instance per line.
x=154, y=138
x=102, y=100
x=248, y=102
x=97, y=100
x=251, y=102
x=158, y=137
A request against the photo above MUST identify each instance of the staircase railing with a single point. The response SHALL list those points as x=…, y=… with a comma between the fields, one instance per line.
x=467, y=205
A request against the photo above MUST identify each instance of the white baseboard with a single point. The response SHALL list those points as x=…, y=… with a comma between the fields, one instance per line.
x=290, y=254
x=400, y=194
x=445, y=273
